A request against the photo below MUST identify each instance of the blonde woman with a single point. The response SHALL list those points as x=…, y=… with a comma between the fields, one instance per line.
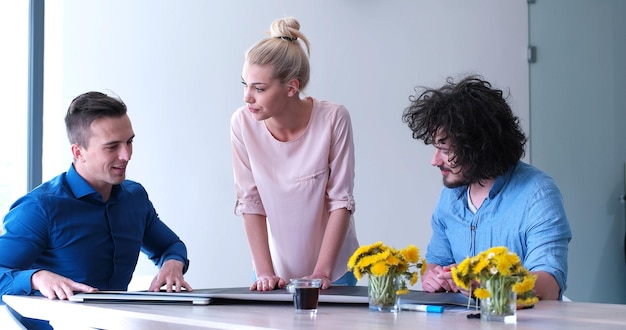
x=293, y=161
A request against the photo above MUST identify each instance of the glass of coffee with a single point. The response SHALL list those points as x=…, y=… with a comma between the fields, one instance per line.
x=306, y=292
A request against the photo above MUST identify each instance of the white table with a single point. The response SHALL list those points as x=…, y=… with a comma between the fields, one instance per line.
x=7, y=321
x=545, y=315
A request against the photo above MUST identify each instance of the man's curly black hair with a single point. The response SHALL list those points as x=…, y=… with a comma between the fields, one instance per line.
x=474, y=120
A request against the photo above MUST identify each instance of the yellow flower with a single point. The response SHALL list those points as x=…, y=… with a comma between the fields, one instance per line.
x=498, y=265
x=356, y=256
x=481, y=293
x=527, y=301
x=527, y=284
x=357, y=273
x=512, y=259
x=504, y=268
x=498, y=250
x=379, y=269
x=463, y=267
x=411, y=254
x=457, y=276
x=378, y=259
x=480, y=266
x=392, y=260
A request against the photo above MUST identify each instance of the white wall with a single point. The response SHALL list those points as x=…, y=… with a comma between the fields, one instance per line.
x=177, y=65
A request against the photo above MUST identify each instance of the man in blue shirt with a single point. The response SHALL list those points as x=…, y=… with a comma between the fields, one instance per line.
x=490, y=198
x=83, y=230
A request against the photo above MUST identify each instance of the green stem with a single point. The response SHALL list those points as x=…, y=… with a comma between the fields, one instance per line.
x=383, y=289
x=500, y=300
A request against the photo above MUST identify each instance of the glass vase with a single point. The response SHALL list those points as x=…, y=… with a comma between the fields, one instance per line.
x=382, y=293
x=501, y=306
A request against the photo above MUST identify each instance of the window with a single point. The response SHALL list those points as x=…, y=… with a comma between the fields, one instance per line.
x=13, y=101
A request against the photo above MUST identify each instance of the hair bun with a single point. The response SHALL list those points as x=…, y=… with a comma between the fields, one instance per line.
x=285, y=28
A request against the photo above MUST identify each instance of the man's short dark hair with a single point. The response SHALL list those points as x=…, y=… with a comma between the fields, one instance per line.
x=86, y=108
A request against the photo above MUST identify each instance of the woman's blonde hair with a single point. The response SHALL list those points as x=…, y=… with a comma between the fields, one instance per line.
x=283, y=51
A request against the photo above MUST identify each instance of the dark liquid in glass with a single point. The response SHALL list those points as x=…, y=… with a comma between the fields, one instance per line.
x=306, y=298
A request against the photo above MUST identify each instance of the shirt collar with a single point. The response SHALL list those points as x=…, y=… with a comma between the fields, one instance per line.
x=80, y=187
x=498, y=184
x=501, y=181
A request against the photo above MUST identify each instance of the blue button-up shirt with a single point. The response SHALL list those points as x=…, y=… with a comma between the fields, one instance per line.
x=64, y=226
x=524, y=212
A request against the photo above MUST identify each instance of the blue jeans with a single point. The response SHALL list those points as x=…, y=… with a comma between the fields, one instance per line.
x=347, y=279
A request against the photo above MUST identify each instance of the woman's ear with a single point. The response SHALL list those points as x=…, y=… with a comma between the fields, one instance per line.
x=293, y=87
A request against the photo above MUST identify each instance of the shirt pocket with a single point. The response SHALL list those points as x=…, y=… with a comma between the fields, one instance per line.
x=317, y=175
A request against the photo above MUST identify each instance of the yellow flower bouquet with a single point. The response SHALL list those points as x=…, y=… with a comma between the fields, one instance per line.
x=498, y=272
x=388, y=271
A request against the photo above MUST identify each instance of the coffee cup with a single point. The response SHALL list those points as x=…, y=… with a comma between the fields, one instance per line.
x=306, y=293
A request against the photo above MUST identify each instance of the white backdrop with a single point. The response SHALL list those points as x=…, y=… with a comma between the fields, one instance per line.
x=177, y=65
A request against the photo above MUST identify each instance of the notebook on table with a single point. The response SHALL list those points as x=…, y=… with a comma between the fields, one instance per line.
x=143, y=297
x=336, y=294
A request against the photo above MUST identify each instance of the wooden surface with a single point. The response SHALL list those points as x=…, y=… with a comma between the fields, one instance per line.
x=280, y=315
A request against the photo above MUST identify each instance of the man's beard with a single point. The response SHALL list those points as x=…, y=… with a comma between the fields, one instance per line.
x=460, y=180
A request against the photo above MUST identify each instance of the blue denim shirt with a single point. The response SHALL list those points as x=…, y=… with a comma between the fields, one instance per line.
x=65, y=227
x=524, y=212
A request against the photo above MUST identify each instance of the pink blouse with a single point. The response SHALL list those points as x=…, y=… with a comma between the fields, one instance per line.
x=296, y=184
